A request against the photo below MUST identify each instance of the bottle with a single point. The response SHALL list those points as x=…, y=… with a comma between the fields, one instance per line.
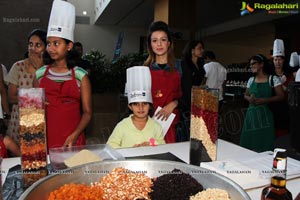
x=277, y=189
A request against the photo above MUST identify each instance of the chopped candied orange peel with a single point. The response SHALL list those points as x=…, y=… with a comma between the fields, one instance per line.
x=74, y=191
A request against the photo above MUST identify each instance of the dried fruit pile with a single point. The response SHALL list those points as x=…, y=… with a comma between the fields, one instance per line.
x=76, y=192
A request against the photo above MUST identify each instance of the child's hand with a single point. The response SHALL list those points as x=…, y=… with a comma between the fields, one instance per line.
x=142, y=144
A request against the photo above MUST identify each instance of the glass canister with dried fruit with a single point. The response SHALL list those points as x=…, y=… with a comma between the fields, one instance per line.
x=33, y=143
x=204, y=125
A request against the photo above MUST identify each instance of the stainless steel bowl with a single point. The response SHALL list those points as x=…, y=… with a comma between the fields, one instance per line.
x=153, y=168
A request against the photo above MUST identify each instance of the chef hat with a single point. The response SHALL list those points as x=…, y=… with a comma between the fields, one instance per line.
x=294, y=60
x=138, y=85
x=62, y=20
x=278, y=48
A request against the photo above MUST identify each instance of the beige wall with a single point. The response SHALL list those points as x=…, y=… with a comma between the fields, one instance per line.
x=161, y=10
x=17, y=20
x=228, y=53
x=104, y=38
x=239, y=45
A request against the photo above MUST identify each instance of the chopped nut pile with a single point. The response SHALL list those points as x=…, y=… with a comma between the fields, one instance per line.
x=124, y=184
x=211, y=194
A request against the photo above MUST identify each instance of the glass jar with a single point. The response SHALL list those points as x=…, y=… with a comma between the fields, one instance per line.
x=204, y=123
x=32, y=135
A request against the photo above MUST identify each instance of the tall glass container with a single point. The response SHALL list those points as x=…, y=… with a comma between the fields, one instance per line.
x=32, y=135
x=204, y=125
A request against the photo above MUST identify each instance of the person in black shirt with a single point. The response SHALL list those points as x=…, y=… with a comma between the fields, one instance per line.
x=85, y=64
x=192, y=75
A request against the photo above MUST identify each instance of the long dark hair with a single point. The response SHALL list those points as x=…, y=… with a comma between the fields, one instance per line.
x=70, y=57
x=160, y=26
x=187, y=57
x=42, y=34
x=267, y=69
x=187, y=51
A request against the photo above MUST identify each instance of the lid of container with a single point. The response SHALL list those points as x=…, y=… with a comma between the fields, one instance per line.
x=280, y=153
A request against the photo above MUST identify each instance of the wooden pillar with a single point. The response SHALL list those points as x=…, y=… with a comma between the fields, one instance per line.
x=180, y=17
x=161, y=10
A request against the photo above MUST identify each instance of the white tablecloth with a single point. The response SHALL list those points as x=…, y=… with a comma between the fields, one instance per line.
x=226, y=151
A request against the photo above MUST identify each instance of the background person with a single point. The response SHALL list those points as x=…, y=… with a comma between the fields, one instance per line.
x=21, y=75
x=4, y=70
x=192, y=68
x=215, y=74
x=80, y=62
x=4, y=106
x=297, y=77
x=280, y=109
x=192, y=75
x=7, y=145
x=294, y=63
x=258, y=131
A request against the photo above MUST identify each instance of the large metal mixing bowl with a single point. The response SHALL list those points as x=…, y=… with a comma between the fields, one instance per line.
x=153, y=168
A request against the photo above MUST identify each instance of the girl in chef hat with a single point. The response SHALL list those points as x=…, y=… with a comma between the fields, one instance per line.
x=139, y=129
x=67, y=87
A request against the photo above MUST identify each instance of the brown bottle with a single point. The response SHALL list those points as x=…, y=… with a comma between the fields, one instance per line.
x=277, y=189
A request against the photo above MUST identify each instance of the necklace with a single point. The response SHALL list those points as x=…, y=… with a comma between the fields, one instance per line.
x=31, y=63
x=280, y=75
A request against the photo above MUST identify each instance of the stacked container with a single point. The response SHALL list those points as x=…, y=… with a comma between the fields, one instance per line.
x=32, y=135
x=204, y=124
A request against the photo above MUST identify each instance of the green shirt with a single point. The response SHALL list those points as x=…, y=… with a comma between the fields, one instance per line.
x=61, y=77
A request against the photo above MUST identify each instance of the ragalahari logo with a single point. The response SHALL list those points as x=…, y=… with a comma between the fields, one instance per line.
x=246, y=9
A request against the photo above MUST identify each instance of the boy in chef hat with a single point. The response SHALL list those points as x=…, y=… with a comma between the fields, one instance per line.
x=281, y=115
x=297, y=76
x=139, y=129
x=67, y=87
x=282, y=70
